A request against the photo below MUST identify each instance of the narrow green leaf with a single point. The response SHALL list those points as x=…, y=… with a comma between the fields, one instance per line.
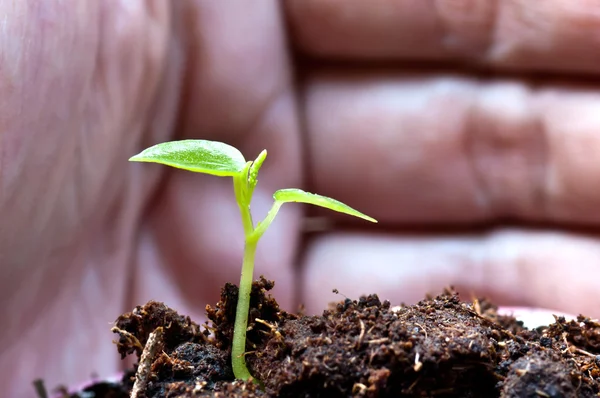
x=253, y=176
x=200, y=156
x=253, y=173
x=298, y=195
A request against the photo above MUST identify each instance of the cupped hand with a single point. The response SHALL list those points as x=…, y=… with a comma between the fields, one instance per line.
x=468, y=129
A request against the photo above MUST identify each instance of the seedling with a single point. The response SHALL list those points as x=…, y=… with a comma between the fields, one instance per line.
x=219, y=159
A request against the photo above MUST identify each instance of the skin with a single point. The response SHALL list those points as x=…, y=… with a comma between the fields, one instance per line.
x=468, y=129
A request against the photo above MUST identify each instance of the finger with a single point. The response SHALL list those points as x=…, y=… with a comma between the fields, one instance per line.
x=551, y=270
x=238, y=90
x=407, y=148
x=78, y=85
x=518, y=34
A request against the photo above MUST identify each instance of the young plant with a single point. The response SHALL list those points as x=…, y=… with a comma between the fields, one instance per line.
x=219, y=159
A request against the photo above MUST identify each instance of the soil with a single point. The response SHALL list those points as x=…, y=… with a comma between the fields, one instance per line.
x=439, y=347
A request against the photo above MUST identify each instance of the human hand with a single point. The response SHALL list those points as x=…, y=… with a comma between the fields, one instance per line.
x=442, y=153
x=473, y=142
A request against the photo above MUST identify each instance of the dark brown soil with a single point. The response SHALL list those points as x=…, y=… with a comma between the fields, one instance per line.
x=440, y=347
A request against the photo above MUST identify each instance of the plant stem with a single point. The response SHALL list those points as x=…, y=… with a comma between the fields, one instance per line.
x=240, y=370
x=238, y=345
x=252, y=236
x=262, y=226
x=243, y=204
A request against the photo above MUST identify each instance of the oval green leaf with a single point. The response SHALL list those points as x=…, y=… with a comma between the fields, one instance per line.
x=300, y=196
x=200, y=156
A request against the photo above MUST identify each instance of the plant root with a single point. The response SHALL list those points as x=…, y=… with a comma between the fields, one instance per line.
x=154, y=343
x=130, y=338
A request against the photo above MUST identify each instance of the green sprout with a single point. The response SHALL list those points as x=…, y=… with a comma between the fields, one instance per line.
x=219, y=159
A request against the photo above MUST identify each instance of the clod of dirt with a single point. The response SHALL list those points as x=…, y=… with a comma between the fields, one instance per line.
x=135, y=327
x=262, y=307
x=542, y=374
x=105, y=389
x=439, y=347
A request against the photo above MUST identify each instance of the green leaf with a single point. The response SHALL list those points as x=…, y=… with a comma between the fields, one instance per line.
x=253, y=176
x=200, y=156
x=298, y=195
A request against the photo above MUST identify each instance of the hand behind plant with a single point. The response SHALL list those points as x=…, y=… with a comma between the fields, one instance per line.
x=487, y=182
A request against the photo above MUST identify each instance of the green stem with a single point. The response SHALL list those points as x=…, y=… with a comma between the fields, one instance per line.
x=238, y=345
x=264, y=224
x=239, y=187
x=240, y=370
x=252, y=236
